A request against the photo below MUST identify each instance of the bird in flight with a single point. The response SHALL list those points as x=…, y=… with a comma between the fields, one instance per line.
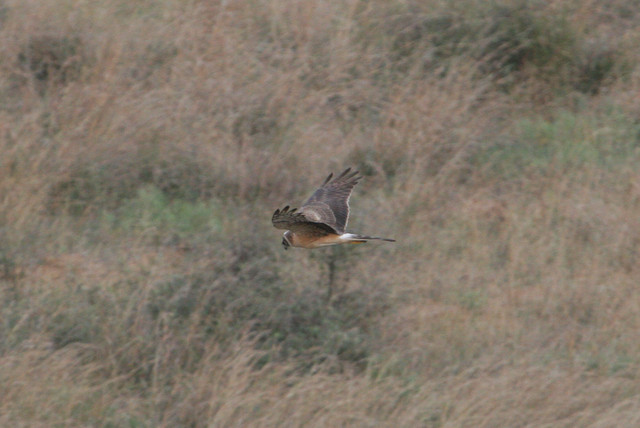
x=322, y=220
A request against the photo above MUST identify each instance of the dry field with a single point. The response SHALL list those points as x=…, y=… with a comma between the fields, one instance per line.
x=145, y=144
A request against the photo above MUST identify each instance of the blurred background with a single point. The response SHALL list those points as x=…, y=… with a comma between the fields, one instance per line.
x=144, y=146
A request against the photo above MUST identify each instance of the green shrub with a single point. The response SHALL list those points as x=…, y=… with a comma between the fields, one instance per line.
x=153, y=214
x=569, y=141
x=94, y=184
x=517, y=35
x=509, y=41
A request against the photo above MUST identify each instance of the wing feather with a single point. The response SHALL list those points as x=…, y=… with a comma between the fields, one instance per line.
x=330, y=203
x=296, y=221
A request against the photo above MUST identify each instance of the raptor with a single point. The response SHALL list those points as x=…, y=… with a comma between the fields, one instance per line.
x=321, y=221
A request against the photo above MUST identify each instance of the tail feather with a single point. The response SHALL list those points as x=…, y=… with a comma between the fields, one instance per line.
x=358, y=239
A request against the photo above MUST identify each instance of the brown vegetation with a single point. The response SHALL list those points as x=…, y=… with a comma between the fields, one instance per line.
x=145, y=144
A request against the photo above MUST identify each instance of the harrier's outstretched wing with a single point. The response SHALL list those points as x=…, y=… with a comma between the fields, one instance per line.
x=329, y=204
x=297, y=222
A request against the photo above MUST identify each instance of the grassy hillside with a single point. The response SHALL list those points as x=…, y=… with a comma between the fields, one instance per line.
x=145, y=144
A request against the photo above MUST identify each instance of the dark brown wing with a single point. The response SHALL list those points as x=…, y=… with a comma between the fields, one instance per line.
x=296, y=221
x=330, y=203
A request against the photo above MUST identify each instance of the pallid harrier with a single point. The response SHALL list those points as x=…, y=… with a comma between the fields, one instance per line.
x=321, y=221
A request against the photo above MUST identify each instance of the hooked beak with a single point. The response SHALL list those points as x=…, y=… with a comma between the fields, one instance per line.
x=285, y=244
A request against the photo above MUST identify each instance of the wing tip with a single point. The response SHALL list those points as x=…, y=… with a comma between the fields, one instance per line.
x=347, y=174
x=282, y=218
x=280, y=211
x=328, y=179
x=285, y=210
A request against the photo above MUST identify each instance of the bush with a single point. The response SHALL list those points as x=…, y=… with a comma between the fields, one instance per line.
x=245, y=294
x=52, y=59
x=94, y=184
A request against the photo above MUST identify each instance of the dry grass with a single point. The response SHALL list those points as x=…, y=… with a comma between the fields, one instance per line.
x=145, y=145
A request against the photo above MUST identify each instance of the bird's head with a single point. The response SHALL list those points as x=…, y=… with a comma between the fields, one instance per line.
x=286, y=239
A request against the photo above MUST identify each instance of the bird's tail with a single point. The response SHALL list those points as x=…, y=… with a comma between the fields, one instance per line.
x=354, y=238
